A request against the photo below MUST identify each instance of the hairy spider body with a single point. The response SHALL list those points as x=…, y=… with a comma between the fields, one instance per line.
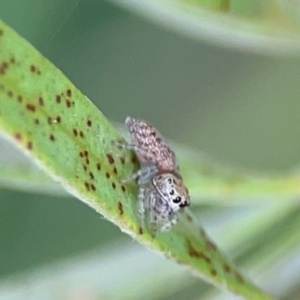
x=150, y=147
x=161, y=193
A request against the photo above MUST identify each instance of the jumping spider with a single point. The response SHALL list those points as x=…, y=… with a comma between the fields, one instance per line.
x=161, y=193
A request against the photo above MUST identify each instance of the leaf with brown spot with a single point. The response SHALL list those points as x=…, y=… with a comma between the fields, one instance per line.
x=61, y=160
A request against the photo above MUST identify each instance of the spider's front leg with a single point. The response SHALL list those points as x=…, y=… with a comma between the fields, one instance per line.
x=169, y=222
x=140, y=152
x=146, y=202
x=149, y=200
x=143, y=175
x=146, y=172
x=142, y=208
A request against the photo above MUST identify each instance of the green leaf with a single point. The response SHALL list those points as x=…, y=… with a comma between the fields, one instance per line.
x=18, y=172
x=97, y=267
x=214, y=183
x=208, y=181
x=250, y=26
x=44, y=115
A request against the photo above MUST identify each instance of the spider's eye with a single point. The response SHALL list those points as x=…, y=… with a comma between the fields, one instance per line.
x=177, y=199
x=172, y=193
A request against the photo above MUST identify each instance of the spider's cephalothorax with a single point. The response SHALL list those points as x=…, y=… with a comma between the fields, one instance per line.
x=160, y=200
x=171, y=188
x=161, y=190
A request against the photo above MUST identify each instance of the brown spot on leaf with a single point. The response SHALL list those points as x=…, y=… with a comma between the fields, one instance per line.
x=30, y=107
x=98, y=166
x=107, y=175
x=140, y=230
x=41, y=101
x=19, y=98
x=81, y=154
x=213, y=272
x=52, y=137
x=18, y=136
x=69, y=93
x=85, y=152
x=210, y=245
x=81, y=134
x=227, y=268
x=58, y=98
x=120, y=208
x=32, y=68
x=113, y=185
x=75, y=132
x=91, y=175
x=115, y=170
x=123, y=188
x=29, y=145
x=36, y=121
x=87, y=186
x=87, y=161
x=89, y=123
x=68, y=103
x=58, y=119
x=238, y=277
x=10, y=94
x=207, y=259
x=49, y=120
x=93, y=187
x=3, y=67
x=12, y=61
x=225, y=6
x=122, y=160
x=195, y=253
x=110, y=158
x=133, y=159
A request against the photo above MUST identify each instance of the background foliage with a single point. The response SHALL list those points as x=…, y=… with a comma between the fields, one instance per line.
x=238, y=106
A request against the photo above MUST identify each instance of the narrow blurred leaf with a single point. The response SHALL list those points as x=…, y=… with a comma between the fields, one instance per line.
x=212, y=182
x=251, y=26
x=94, y=274
x=18, y=172
x=45, y=116
x=208, y=181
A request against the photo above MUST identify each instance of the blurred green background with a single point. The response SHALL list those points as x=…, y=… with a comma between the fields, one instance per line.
x=239, y=107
